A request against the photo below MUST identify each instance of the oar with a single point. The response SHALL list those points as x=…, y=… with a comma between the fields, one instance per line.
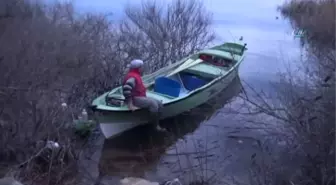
x=185, y=65
x=161, y=71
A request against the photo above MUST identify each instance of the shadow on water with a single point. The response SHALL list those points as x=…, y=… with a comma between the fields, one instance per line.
x=140, y=149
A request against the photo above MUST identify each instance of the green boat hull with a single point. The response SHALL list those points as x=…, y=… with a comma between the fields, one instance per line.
x=114, y=121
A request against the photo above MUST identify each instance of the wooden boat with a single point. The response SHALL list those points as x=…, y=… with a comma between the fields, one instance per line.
x=181, y=86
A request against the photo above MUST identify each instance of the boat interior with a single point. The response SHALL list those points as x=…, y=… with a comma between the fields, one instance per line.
x=182, y=83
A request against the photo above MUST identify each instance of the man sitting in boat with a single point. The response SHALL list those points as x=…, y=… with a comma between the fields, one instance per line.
x=135, y=92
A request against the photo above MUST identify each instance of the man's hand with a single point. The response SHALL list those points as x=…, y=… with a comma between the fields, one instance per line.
x=132, y=107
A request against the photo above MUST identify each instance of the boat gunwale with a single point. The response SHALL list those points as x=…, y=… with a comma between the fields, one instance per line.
x=101, y=108
x=192, y=93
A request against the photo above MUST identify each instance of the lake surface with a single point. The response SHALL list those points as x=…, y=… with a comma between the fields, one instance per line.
x=210, y=142
x=147, y=153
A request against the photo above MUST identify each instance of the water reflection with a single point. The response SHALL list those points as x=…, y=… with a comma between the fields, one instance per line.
x=140, y=149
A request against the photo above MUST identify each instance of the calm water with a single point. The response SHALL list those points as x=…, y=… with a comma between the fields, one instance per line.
x=147, y=153
x=210, y=142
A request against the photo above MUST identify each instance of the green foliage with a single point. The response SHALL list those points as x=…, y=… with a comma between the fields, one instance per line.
x=84, y=128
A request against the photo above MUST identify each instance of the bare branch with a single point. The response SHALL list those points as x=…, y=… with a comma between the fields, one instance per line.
x=162, y=34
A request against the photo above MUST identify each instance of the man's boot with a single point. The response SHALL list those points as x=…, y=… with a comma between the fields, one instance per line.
x=156, y=120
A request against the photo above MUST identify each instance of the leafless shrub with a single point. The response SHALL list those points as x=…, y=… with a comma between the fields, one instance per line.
x=160, y=34
x=301, y=118
x=306, y=102
x=49, y=54
x=47, y=57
